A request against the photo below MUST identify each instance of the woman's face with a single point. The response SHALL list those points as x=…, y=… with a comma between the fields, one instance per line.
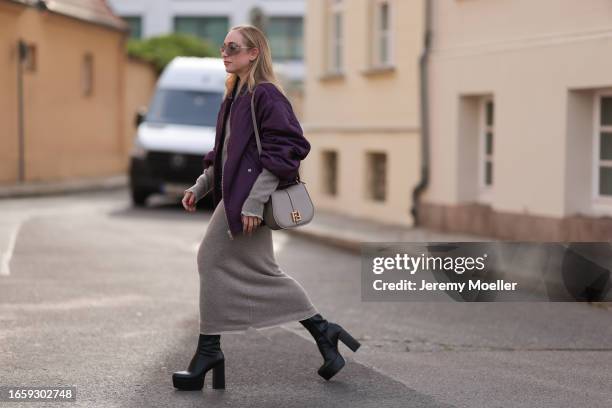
x=238, y=62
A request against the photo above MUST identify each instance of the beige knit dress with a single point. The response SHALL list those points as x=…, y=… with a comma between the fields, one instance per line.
x=241, y=285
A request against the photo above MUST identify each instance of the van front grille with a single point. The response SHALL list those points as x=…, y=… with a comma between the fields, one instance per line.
x=175, y=167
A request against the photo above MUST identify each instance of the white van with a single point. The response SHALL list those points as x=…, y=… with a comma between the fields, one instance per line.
x=178, y=128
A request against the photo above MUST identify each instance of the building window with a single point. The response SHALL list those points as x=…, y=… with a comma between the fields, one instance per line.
x=335, y=36
x=330, y=172
x=211, y=29
x=87, y=75
x=381, y=51
x=603, y=144
x=135, y=23
x=28, y=55
x=486, y=143
x=285, y=35
x=376, y=180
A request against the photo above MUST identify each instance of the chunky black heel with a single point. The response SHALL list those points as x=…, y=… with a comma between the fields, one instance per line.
x=218, y=381
x=326, y=335
x=348, y=340
x=208, y=355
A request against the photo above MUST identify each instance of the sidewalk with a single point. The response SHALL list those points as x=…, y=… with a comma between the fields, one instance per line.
x=349, y=232
x=39, y=188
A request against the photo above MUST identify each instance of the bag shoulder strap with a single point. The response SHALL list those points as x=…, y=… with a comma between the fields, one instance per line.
x=255, y=121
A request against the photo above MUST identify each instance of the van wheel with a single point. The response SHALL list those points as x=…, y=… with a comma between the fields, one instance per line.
x=139, y=197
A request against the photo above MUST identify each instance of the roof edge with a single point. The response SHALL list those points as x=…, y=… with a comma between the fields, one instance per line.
x=108, y=19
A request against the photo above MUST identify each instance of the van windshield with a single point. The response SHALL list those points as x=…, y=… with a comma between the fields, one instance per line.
x=185, y=107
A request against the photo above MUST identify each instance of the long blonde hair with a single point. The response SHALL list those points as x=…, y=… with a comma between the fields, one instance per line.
x=261, y=69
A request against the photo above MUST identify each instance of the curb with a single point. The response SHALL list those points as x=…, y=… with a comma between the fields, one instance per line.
x=322, y=237
x=33, y=189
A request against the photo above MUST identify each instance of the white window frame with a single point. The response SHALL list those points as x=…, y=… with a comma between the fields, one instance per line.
x=335, y=44
x=379, y=34
x=485, y=190
x=600, y=202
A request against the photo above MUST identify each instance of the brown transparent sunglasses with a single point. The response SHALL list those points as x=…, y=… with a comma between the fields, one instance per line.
x=232, y=48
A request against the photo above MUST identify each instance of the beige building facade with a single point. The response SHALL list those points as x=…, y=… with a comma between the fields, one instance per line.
x=361, y=106
x=521, y=119
x=64, y=102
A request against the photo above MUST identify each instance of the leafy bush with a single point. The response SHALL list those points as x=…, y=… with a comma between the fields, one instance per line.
x=160, y=50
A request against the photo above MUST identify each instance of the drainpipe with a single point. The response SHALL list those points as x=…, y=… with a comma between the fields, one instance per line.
x=22, y=51
x=424, y=91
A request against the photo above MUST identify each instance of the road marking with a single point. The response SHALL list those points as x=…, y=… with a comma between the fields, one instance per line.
x=8, y=254
x=6, y=257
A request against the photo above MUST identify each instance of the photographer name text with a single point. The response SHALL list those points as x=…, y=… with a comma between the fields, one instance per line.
x=453, y=265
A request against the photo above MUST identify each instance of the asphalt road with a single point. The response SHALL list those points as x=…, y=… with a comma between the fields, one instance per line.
x=101, y=296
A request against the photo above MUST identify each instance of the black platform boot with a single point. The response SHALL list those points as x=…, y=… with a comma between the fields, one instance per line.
x=326, y=335
x=207, y=356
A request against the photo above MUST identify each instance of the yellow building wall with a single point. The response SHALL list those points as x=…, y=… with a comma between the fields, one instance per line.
x=364, y=111
x=67, y=134
x=8, y=92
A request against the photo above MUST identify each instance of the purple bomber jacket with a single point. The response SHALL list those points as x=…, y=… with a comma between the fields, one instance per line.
x=283, y=147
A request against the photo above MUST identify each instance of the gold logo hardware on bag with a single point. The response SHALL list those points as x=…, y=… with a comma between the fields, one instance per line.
x=288, y=207
x=295, y=216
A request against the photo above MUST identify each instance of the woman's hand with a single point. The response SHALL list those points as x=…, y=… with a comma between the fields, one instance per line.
x=189, y=201
x=249, y=223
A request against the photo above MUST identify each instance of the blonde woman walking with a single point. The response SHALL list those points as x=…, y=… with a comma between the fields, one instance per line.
x=241, y=285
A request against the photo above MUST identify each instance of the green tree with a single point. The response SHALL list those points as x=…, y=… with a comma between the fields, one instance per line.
x=160, y=50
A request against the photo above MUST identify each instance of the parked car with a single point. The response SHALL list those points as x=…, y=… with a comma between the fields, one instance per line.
x=177, y=129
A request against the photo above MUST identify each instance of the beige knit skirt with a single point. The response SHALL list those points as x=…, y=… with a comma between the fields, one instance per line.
x=241, y=285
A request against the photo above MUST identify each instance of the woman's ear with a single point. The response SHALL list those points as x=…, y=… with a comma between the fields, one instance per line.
x=254, y=54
